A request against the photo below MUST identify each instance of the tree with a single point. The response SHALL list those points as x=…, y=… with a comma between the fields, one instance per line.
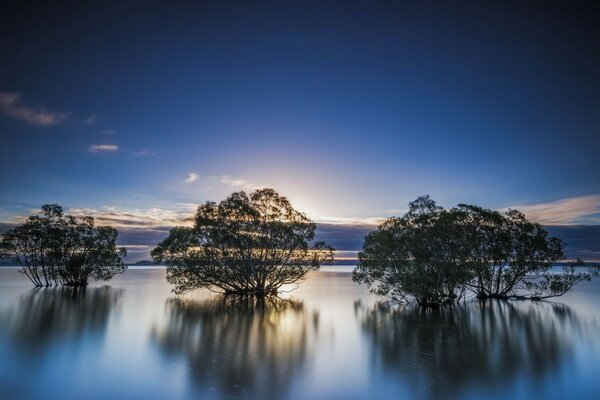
x=247, y=244
x=418, y=256
x=513, y=257
x=54, y=248
x=433, y=255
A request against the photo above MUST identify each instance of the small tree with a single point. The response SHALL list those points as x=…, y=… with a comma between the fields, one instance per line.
x=54, y=248
x=247, y=244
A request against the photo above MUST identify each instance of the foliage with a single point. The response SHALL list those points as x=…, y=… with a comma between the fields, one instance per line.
x=417, y=256
x=434, y=255
x=512, y=257
x=54, y=248
x=246, y=244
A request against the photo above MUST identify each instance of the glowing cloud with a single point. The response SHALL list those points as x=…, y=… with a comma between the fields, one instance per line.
x=369, y=221
x=96, y=148
x=568, y=211
x=11, y=106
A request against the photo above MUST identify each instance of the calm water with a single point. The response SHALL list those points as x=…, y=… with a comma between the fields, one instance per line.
x=327, y=340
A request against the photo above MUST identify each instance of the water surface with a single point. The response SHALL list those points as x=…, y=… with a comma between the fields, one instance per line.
x=329, y=339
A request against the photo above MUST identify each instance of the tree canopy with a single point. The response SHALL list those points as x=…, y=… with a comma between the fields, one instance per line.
x=247, y=244
x=54, y=248
x=436, y=255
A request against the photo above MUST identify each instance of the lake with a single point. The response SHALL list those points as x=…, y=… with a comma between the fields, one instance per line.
x=329, y=339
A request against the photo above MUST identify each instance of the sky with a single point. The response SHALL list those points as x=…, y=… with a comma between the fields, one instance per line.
x=136, y=112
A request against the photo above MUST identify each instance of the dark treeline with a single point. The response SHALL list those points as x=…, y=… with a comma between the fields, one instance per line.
x=57, y=249
x=437, y=256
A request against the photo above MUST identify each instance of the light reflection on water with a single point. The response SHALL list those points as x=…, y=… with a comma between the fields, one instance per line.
x=328, y=339
x=239, y=347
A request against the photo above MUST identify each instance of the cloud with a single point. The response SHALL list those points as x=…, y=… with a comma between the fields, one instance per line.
x=192, y=177
x=568, y=211
x=144, y=151
x=12, y=106
x=368, y=221
x=239, y=183
x=91, y=120
x=148, y=219
x=109, y=131
x=97, y=148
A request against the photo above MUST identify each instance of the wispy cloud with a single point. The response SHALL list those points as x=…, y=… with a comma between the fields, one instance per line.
x=239, y=183
x=12, y=106
x=144, y=151
x=151, y=218
x=91, y=120
x=97, y=148
x=192, y=177
x=368, y=221
x=109, y=131
x=573, y=210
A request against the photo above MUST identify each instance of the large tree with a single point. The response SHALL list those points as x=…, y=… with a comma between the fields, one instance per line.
x=418, y=256
x=247, y=244
x=513, y=257
x=54, y=248
x=434, y=255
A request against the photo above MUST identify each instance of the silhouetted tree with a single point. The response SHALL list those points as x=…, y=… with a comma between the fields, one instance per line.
x=512, y=257
x=433, y=255
x=247, y=244
x=420, y=255
x=54, y=248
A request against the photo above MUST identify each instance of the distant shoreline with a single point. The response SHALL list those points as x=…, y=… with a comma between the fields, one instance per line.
x=328, y=268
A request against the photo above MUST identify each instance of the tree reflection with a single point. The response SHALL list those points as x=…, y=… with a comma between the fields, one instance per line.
x=240, y=346
x=43, y=316
x=487, y=344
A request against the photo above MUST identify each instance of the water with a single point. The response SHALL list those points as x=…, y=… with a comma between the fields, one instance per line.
x=329, y=339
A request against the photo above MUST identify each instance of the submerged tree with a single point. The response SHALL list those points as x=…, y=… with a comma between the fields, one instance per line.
x=247, y=244
x=418, y=256
x=513, y=257
x=54, y=248
x=433, y=255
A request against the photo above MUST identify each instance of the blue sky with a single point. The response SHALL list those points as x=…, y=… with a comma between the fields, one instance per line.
x=142, y=110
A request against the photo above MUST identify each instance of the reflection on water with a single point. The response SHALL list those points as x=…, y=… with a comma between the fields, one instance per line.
x=45, y=315
x=136, y=341
x=444, y=352
x=242, y=347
